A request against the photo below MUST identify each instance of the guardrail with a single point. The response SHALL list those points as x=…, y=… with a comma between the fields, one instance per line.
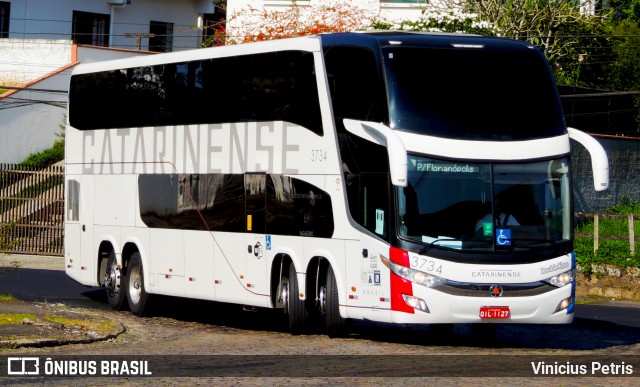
x=31, y=209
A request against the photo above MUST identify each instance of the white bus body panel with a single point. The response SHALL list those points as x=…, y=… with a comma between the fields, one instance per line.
x=199, y=265
x=80, y=248
x=445, y=308
x=368, y=280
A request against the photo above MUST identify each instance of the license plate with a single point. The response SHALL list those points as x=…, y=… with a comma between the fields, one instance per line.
x=495, y=312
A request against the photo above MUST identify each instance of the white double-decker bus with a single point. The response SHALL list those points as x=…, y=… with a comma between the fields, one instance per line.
x=394, y=177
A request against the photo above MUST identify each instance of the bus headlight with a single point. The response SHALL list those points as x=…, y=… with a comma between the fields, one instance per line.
x=413, y=275
x=562, y=279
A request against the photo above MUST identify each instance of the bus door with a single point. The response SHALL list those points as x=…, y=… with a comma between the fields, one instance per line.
x=79, y=249
x=256, y=242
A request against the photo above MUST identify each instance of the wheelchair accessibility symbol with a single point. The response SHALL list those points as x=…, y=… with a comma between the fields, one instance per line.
x=503, y=237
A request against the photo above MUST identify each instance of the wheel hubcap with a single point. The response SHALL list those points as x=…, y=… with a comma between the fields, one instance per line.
x=322, y=299
x=136, y=285
x=284, y=295
x=112, y=280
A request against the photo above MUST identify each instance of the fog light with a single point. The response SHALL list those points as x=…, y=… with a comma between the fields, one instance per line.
x=416, y=303
x=564, y=304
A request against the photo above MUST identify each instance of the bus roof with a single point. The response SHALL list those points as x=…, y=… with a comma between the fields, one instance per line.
x=422, y=39
x=370, y=39
x=306, y=43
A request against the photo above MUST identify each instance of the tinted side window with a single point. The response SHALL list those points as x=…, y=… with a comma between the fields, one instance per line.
x=183, y=201
x=368, y=196
x=366, y=169
x=295, y=207
x=220, y=202
x=260, y=87
x=356, y=84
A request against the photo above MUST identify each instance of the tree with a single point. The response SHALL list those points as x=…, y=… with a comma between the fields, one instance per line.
x=435, y=19
x=325, y=16
x=625, y=10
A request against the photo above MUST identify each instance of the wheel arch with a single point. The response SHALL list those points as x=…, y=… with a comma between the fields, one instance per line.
x=279, y=267
x=128, y=249
x=105, y=248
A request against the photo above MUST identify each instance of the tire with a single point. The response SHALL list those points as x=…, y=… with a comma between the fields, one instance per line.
x=137, y=295
x=298, y=314
x=114, y=280
x=335, y=324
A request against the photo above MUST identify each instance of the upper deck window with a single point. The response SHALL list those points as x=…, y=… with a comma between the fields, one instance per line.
x=474, y=94
x=266, y=87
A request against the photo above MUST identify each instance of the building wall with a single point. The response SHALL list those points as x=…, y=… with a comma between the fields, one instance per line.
x=624, y=169
x=31, y=118
x=135, y=18
x=23, y=60
x=52, y=19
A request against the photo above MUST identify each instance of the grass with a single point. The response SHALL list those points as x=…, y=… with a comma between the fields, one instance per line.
x=14, y=318
x=101, y=326
x=6, y=298
x=610, y=251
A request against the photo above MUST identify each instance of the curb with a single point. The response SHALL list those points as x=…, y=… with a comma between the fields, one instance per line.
x=45, y=343
x=37, y=325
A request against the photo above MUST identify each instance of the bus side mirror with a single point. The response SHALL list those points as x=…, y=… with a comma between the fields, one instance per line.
x=599, y=161
x=382, y=135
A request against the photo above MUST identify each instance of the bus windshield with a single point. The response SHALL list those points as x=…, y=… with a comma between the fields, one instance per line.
x=485, y=206
x=473, y=94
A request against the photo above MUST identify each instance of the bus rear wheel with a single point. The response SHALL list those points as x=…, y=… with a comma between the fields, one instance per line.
x=114, y=283
x=137, y=295
x=296, y=308
x=335, y=324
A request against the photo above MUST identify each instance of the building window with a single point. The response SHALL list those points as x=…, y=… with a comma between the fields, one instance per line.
x=5, y=8
x=90, y=28
x=161, y=39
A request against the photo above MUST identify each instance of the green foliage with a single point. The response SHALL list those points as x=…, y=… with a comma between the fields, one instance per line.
x=48, y=156
x=625, y=206
x=571, y=40
x=610, y=251
x=625, y=9
x=6, y=240
x=623, y=72
x=51, y=155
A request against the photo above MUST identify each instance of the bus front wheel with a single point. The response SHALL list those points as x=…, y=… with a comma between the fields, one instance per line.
x=114, y=282
x=136, y=292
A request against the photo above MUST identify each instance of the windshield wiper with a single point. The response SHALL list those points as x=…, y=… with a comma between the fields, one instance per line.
x=437, y=241
x=534, y=241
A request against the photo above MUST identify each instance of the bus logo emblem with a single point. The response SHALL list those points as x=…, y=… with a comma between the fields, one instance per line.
x=495, y=290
